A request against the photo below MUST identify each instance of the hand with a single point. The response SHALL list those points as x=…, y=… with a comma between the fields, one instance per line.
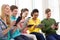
x=13, y=23
x=53, y=27
x=56, y=27
x=35, y=26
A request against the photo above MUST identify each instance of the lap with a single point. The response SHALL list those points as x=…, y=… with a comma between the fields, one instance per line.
x=53, y=36
x=18, y=38
x=50, y=37
x=32, y=36
x=37, y=34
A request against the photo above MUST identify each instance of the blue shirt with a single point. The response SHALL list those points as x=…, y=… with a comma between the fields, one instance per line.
x=17, y=32
x=13, y=18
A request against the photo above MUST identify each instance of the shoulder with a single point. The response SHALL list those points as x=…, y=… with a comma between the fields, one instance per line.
x=52, y=19
x=44, y=20
x=1, y=20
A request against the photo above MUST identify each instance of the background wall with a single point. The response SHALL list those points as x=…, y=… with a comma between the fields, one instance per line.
x=10, y=2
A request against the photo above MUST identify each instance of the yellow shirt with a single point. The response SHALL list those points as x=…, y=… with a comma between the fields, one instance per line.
x=32, y=22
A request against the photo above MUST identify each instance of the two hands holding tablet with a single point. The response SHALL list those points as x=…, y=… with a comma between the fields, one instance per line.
x=36, y=26
x=54, y=26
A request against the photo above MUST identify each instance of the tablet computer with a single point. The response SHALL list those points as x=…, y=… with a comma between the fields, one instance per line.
x=40, y=26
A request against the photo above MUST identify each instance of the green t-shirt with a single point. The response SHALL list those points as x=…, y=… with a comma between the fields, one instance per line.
x=47, y=26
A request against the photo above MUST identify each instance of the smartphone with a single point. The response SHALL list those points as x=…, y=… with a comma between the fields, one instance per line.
x=29, y=25
x=17, y=21
x=56, y=25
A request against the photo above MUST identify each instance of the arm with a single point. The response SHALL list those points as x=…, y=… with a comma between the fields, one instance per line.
x=46, y=29
x=3, y=32
x=43, y=29
x=24, y=24
x=3, y=25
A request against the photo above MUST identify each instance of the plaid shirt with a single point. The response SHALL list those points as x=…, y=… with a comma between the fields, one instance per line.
x=3, y=26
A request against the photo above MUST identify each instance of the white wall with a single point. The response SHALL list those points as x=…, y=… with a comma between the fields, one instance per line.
x=54, y=6
x=59, y=9
x=45, y=5
x=24, y=4
x=38, y=5
x=10, y=2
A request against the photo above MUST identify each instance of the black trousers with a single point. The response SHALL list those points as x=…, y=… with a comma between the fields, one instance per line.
x=38, y=36
x=53, y=37
x=22, y=37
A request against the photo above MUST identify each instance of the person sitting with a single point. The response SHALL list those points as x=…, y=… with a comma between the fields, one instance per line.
x=15, y=33
x=22, y=22
x=50, y=26
x=5, y=24
x=34, y=21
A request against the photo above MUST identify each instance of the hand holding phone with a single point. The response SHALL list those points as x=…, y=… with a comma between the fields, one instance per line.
x=56, y=25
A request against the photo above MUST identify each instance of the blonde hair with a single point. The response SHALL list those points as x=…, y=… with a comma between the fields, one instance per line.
x=4, y=15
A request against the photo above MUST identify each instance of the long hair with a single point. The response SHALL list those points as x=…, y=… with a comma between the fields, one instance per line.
x=4, y=15
x=22, y=11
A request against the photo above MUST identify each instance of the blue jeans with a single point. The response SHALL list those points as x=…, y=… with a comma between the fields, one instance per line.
x=38, y=36
x=53, y=37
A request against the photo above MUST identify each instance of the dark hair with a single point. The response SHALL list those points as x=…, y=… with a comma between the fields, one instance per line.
x=47, y=10
x=34, y=11
x=13, y=7
x=23, y=10
x=19, y=18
